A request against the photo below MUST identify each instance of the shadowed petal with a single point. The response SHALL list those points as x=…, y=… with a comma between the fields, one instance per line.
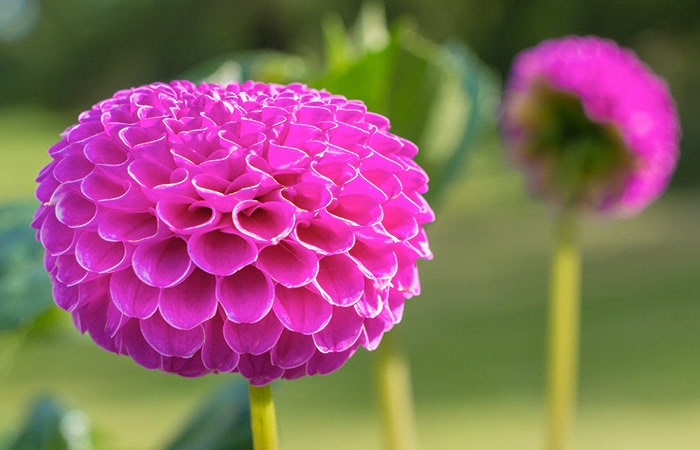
x=323, y=364
x=301, y=310
x=258, y=369
x=169, y=341
x=220, y=252
x=216, y=354
x=137, y=347
x=162, y=264
x=189, y=303
x=97, y=255
x=292, y=350
x=288, y=263
x=342, y=331
x=133, y=297
x=246, y=296
x=339, y=280
x=254, y=338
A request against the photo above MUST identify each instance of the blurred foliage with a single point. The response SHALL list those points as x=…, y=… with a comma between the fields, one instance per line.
x=83, y=50
x=223, y=422
x=50, y=426
x=25, y=290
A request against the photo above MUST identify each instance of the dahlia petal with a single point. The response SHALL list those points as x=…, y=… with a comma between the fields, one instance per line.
x=187, y=218
x=115, y=319
x=189, y=303
x=406, y=278
x=373, y=331
x=84, y=131
x=66, y=297
x=325, y=236
x=73, y=210
x=376, y=260
x=301, y=310
x=292, y=349
x=72, y=168
x=342, y=331
x=254, y=338
x=395, y=304
x=104, y=151
x=69, y=271
x=133, y=297
x=258, y=369
x=246, y=296
x=55, y=237
x=97, y=186
x=137, y=347
x=191, y=367
x=325, y=363
x=216, y=354
x=170, y=341
x=281, y=157
x=127, y=226
x=162, y=264
x=309, y=196
x=295, y=372
x=46, y=188
x=357, y=209
x=288, y=263
x=372, y=301
x=97, y=255
x=220, y=252
x=298, y=133
x=339, y=280
x=270, y=221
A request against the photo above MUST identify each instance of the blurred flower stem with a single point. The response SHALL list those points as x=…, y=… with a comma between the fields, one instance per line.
x=563, y=332
x=395, y=396
x=262, y=418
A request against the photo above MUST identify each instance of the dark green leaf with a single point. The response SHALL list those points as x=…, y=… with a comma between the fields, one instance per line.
x=222, y=423
x=42, y=429
x=25, y=290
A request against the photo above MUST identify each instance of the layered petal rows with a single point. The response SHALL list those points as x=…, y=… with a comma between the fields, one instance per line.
x=618, y=93
x=255, y=228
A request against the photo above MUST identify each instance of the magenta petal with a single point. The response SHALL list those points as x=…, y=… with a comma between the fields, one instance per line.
x=323, y=364
x=162, y=264
x=395, y=303
x=374, y=330
x=292, y=350
x=301, y=310
x=97, y=255
x=220, y=252
x=69, y=271
x=72, y=168
x=133, y=297
x=295, y=372
x=342, y=331
x=325, y=236
x=127, y=226
x=169, y=341
x=74, y=210
x=258, y=369
x=376, y=260
x=55, y=237
x=309, y=196
x=246, y=296
x=216, y=354
x=288, y=263
x=187, y=218
x=269, y=221
x=281, y=157
x=191, y=367
x=137, y=347
x=66, y=297
x=254, y=338
x=358, y=209
x=372, y=301
x=104, y=151
x=189, y=303
x=339, y=280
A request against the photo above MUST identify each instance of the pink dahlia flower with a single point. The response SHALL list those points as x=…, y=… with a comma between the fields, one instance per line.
x=255, y=228
x=591, y=124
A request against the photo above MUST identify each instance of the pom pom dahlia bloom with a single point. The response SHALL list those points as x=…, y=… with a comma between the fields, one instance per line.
x=591, y=124
x=255, y=228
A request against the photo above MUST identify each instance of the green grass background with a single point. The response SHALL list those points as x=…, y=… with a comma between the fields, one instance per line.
x=475, y=336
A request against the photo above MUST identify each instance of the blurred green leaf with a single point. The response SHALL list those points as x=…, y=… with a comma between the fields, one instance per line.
x=50, y=426
x=25, y=289
x=222, y=423
x=261, y=65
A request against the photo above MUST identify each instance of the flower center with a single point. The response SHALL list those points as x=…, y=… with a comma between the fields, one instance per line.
x=578, y=159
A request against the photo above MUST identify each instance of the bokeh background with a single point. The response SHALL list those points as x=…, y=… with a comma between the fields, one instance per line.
x=476, y=335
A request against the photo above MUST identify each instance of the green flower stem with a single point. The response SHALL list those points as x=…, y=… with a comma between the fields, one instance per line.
x=262, y=418
x=395, y=399
x=564, y=319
